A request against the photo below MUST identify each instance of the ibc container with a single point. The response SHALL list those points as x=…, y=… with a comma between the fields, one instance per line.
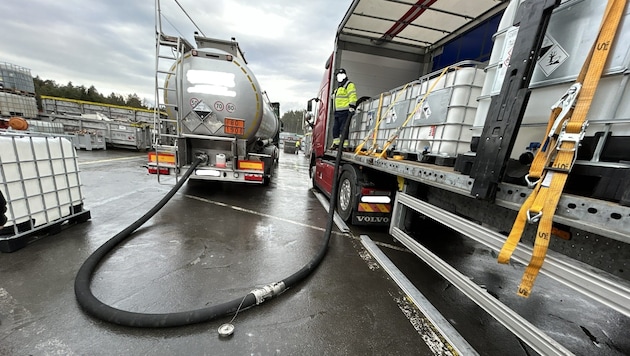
x=570, y=34
x=39, y=177
x=16, y=78
x=440, y=125
x=45, y=127
x=14, y=104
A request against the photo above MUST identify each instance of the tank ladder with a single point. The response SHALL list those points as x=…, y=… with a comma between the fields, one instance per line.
x=169, y=50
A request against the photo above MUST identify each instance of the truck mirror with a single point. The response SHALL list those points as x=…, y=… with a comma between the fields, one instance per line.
x=309, y=104
x=308, y=119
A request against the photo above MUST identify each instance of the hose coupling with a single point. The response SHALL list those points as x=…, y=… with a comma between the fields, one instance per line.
x=202, y=157
x=267, y=292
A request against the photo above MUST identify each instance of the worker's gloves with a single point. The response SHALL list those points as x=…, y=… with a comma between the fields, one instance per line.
x=352, y=108
x=3, y=210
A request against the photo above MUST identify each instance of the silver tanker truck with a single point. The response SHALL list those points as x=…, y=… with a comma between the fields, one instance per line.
x=216, y=111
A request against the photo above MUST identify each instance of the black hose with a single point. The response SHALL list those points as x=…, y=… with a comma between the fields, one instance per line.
x=93, y=306
x=306, y=270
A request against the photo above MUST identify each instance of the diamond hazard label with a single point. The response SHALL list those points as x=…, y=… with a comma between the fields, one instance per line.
x=552, y=55
x=391, y=117
x=426, y=111
x=202, y=110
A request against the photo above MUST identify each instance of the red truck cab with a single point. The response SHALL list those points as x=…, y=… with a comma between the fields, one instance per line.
x=318, y=146
x=365, y=196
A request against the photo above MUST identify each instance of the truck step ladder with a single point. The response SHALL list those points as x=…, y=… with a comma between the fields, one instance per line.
x=169, y=50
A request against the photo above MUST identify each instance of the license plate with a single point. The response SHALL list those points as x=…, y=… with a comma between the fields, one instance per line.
x=208, y=172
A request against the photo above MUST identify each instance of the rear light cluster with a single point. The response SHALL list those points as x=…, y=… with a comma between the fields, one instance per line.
x=155, y=170
x=254, y=177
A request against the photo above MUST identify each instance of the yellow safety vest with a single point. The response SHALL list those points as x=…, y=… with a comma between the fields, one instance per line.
x=345, y=96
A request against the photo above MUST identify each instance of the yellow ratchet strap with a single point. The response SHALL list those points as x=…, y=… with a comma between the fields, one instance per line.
x=394, y=136
x=553, y=162
x=374, y=131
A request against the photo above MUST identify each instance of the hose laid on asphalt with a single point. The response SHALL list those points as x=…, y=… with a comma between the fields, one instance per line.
x=93, y=306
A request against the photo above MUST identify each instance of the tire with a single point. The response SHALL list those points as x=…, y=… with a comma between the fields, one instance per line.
x=347, y=194
x=269, y=167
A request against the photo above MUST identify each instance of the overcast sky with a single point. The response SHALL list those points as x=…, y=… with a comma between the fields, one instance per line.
x=111, y=44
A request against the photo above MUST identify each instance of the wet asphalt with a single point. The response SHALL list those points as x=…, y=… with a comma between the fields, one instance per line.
x=211, y=243
x=215, y=242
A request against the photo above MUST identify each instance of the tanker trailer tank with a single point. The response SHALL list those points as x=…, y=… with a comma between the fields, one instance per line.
x=225, y=116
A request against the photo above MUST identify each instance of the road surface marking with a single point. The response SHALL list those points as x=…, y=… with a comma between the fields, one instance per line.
x=111, y=160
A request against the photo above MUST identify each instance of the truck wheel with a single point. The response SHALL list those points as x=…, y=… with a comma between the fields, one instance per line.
x=269, y=167
x=346, y=199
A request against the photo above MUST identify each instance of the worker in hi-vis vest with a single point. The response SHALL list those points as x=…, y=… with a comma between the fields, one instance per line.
x=345, y=103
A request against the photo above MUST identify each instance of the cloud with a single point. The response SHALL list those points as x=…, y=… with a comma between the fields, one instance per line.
x=111, y=43
x=256, y=22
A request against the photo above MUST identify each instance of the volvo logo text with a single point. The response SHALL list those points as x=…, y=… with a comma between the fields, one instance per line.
x=373, y=219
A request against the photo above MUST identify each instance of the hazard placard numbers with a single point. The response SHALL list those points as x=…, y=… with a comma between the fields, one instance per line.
x=234, y=126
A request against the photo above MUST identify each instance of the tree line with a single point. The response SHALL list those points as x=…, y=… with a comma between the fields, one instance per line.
x=293, y=121
x=70, y=91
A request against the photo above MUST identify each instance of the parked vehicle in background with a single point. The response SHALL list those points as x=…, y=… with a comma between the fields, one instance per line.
x=289, y=144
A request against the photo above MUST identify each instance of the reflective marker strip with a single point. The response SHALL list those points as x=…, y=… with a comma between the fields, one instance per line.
x=162, y=157
x=375, y=208
x=253, y=165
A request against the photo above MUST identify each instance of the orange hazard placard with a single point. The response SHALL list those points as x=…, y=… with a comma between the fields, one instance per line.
x=234, y=126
